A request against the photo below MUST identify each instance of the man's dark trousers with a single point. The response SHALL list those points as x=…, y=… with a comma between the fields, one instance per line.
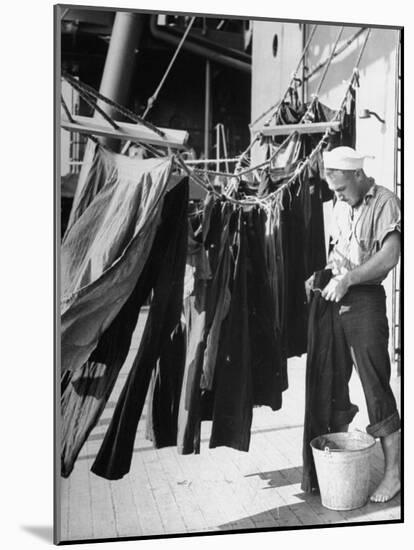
x=360, y=328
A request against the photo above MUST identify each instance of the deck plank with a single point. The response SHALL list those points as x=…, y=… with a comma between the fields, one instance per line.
x=219, y=489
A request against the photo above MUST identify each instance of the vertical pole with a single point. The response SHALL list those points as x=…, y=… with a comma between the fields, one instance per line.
x=396, y=283
x=116, y=80
x=217, y=147
x=303, y=63
x=207, y=110
x=223, y=136
x=57, y=144
x=119, y=64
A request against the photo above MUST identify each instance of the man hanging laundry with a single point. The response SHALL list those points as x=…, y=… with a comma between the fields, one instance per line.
x=366, y=247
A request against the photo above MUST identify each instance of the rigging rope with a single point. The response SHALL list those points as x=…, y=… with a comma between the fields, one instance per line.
x=322, y=79
x=353, y=79
x=66, y=109
x=343, y=47
x=148, y=147
x=251, y=169
x=94, y=105
x=340, y=50
x=210, y=188
x=86, y=90
x=123, y=110
x=279, y=104
x=304, y=118
x=293, y=78
x=70, y=118
x=153, y=98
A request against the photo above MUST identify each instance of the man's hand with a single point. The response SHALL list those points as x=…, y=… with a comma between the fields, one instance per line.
x=336, y=289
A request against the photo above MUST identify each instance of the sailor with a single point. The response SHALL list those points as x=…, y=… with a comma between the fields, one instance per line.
x=366, y=247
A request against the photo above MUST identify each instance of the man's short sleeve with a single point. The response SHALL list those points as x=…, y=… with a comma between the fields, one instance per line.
x=388, y=219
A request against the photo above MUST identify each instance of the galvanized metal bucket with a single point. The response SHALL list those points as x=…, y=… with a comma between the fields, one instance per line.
x=342, y=462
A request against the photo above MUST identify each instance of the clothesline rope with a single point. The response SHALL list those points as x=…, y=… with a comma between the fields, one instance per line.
x=150, y=148
x=123, y=110
x=354, y=79
x=66, y=109
x=323, y=142
x=315, y=96
x=311, y=72
x=86, y=89
x=86, y=96
x=293, y=78
x=209, y=188
x=71, y=119
x=211, y=161
x=153, y=98
x=322, y=79
x=277, y=106
x=94, y=105
x=340, y=50
x=253, y=168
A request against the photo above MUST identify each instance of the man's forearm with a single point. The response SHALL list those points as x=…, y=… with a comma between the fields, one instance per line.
x=377, y=267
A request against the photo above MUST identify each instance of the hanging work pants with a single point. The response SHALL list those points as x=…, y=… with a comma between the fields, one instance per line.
x=233, y=384
x=102, y=264
x=353, y=331
x=114, y=457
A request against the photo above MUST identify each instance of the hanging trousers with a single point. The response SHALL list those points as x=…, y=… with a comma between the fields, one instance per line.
x=353, y=331
x=233, y=384
x=114, y=457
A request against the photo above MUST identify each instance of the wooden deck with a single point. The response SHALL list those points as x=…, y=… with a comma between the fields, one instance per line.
x=219, y=489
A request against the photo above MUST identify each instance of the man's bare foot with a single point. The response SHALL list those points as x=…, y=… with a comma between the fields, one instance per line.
x=388, y=488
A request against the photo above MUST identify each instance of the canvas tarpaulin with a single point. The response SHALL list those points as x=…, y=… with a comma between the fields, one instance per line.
x=117, y=186
x=105, y=249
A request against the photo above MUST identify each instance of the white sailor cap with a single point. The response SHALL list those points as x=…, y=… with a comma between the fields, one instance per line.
x=343, y=158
